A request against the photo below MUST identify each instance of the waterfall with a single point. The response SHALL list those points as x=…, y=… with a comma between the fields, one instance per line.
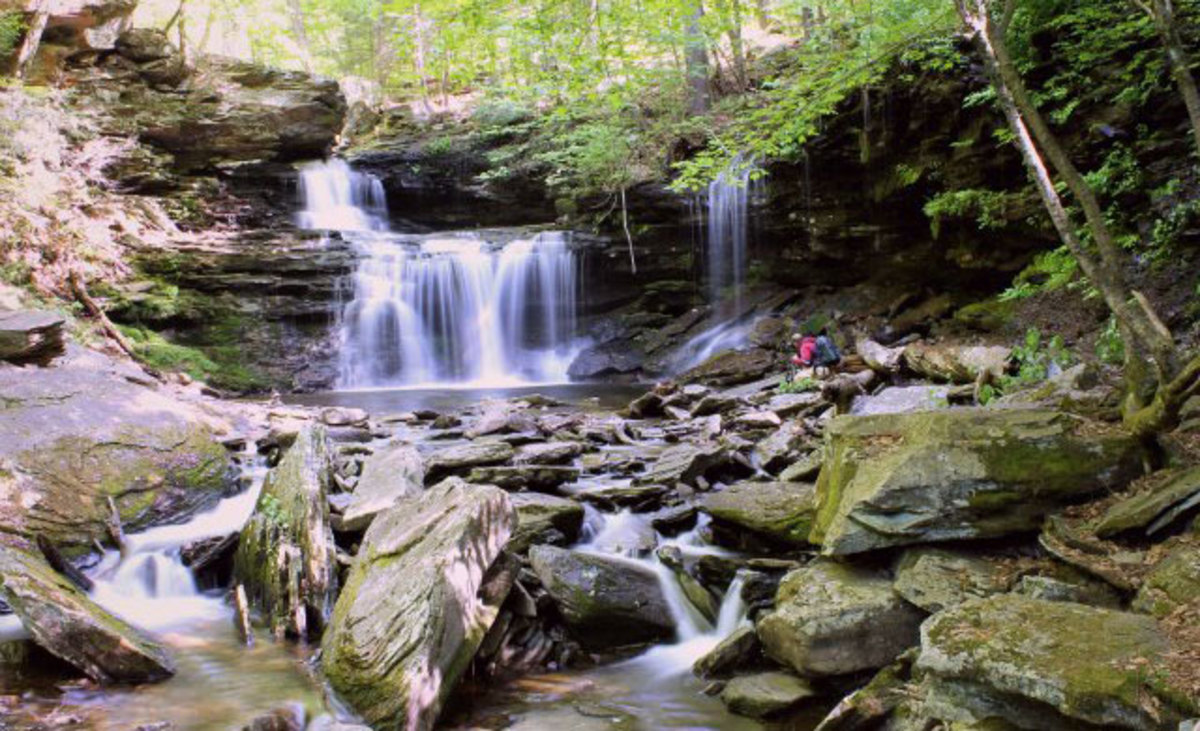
x=458, y=308
x=727, y=210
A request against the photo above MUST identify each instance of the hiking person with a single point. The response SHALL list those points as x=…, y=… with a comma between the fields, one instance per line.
x=806, y=350
x=826, y=355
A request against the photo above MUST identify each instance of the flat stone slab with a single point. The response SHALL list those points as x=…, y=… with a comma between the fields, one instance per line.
x=31, y=336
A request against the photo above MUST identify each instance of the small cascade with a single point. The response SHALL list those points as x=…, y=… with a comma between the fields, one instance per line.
x=694, y=635
x=150, y=587
x=448, y=309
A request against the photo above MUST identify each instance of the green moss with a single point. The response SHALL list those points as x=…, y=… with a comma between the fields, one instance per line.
x=989, y=316
x=220, y=366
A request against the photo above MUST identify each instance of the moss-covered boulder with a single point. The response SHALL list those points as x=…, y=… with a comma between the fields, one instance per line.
x=1165, y=497
x=90, y=429
x=395, y=472
x=1048, y=665
x=1175, y=581
x=934, y=579
x=900, y=479
x=544, y=519
x=607, y=601
x=286, y=556
x=765, y=694
x=956, y=363
x=412, y=613
x=68, y=624
x=834, y=619
x=781, y=512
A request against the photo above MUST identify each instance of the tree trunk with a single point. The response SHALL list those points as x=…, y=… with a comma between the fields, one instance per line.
x=696, y=60
x=1162, y=12
x=1150, y=349
x=33, y=38
x=737, y=47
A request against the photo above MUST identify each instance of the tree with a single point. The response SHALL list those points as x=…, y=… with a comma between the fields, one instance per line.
x=1162, y=12
x=1158, y=383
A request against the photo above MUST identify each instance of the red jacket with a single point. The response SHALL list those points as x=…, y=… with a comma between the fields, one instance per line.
x=806, y=349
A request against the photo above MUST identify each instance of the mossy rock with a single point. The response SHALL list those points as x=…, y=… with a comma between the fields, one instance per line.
x=988, y=316
x=415, y=609
x=781, y=512
x=67, y=623
x=901, y=479
x=92, y=429
x=286, y=556
x=834, y=619
x=766, y=694
x=1030, y=661
x=1175, y=581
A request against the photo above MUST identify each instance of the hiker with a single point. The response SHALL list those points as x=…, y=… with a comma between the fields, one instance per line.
x=826, y=355
x=801, y=363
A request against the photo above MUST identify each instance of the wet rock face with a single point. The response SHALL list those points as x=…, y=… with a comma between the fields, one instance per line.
x=68, y=624
x=1047, y=665
x=92, y=428
x=900, y=479
x=286, y=553
x=607, y=602
x=831, y=619
x=544, y=519
x=392, y=474
x=412, y=613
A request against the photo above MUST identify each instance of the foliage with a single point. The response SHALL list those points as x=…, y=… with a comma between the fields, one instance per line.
x=12, y=26
x=1034, y=361
x=156, y=352
x=798, y=385
x=990, y=209
x=1050, y=270
x=1110, y=348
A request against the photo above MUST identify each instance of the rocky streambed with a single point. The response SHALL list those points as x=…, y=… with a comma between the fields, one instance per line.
x=717, y=552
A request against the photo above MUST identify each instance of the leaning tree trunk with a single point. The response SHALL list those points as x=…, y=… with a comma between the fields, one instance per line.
x=1162, y=12
x=696, y=61
x=1157, y=387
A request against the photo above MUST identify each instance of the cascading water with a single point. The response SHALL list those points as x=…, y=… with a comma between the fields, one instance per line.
x=444, y=309
x=727, y=211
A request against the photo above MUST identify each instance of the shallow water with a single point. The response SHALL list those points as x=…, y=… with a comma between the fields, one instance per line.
x=381, y=402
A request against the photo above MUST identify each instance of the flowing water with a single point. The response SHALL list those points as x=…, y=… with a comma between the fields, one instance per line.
x=727, y=212
x=220, y=683
x=476, y=308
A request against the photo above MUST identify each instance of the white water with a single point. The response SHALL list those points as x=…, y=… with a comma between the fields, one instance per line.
x=695, y=635
x=727, y=210
x=150, y=587
x=458, y=309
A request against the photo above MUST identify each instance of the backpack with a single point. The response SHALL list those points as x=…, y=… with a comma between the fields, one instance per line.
x=827, y=353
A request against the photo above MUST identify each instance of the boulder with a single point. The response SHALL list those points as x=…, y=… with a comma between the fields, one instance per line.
x=880, y=358
x=833, y=619
x=68, y=624
x=143, y=45
x=779, y=449
x=548, y=453
x=684, y=463
x=1048, y=665
x=758, y=420
x=607, y=601
x=804, y=469
x=733, y=367
x=286, y=557
x=524, y=477
x=412, y=613
x=91, y=429
x=867, y=707
x=31, y=336
x=1170, y=494
x=902, y=399
x=1079, y=589
x=934, y=579
x=606, y=359
x=395, y=472
x=1173, y=582
x=544, y=519
x=459, y=460
x=899, y=479
x=765, y=694
x=781, y=512
x=956, y=363
x=739, y=651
